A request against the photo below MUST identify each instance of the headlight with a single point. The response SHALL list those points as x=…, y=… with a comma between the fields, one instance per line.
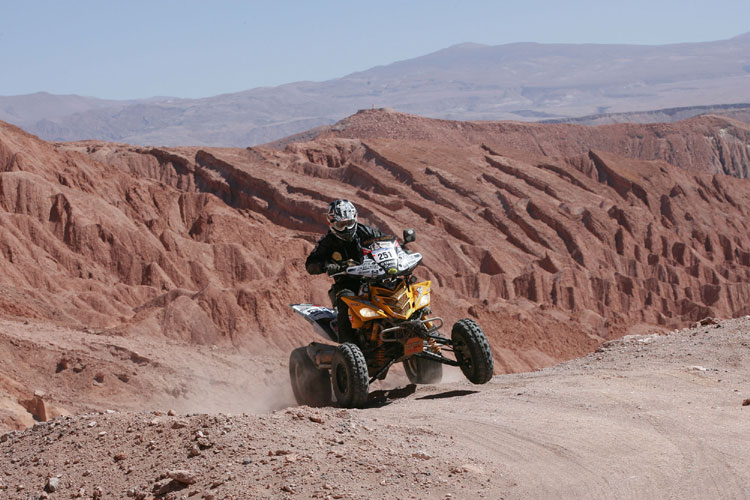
x=366, y=312
x=424, y=300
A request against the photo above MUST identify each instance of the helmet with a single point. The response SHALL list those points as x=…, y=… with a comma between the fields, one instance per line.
x=342, y=219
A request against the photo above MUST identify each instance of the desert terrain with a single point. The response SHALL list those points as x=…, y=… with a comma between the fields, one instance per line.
x=646, y=416
x=145, y=323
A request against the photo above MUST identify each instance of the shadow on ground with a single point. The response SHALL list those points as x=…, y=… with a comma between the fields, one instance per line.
x=449, y=394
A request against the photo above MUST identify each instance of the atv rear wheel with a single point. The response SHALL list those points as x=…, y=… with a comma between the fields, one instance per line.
x=311, y=386
x=423, y=371
x=349, y=376
x=472, y=351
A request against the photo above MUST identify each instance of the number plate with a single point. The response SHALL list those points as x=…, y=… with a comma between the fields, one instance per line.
x=414, y=345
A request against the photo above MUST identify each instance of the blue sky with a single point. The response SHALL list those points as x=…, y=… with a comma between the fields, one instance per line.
x=189, y=48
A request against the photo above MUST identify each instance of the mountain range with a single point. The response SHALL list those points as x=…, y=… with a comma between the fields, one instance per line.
x=520, y=81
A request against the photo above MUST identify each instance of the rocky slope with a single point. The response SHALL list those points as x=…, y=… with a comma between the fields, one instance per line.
x=553, y=237
x=705, y=144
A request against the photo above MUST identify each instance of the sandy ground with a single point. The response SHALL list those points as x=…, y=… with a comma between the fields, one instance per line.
x=652, y=416
x=88, y=370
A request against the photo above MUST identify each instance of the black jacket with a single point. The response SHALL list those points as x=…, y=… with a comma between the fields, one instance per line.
x=333, y=249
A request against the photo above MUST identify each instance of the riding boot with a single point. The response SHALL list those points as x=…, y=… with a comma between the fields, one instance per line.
x=346, y=332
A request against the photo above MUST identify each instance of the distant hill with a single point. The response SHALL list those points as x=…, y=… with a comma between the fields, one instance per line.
x=520, y=81
x=739, y=112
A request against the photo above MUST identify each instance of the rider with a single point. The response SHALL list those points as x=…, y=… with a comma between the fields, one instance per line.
x=342, y=242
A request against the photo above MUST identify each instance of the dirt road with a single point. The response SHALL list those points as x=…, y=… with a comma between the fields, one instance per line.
x=646, y=417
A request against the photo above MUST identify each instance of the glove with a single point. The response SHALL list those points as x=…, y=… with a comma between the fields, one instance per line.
x=333, y=268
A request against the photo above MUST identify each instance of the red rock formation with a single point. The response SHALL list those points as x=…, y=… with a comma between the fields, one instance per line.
x=553, y=236
x=709, y=144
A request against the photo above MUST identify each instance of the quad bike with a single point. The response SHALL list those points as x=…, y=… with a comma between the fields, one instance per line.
x=394, y=323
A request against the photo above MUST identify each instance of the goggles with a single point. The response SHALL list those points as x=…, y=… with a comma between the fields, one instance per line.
x=340, y=225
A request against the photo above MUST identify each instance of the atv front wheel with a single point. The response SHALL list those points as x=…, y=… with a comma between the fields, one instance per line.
x=311, y=386
x=349, y=376
x=423, y=371
x=472, y=351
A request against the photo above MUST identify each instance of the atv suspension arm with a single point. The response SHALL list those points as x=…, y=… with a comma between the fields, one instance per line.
x=382, y=370
x=414, y=327
x=439, y=359
x=440, y=340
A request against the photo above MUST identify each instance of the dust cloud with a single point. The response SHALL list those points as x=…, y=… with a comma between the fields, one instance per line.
x=238, y=394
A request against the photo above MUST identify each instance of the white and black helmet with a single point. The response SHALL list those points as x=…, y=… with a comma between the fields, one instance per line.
x=342, y=219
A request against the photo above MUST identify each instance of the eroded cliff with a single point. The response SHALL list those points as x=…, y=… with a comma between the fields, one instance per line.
x=554, y=237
